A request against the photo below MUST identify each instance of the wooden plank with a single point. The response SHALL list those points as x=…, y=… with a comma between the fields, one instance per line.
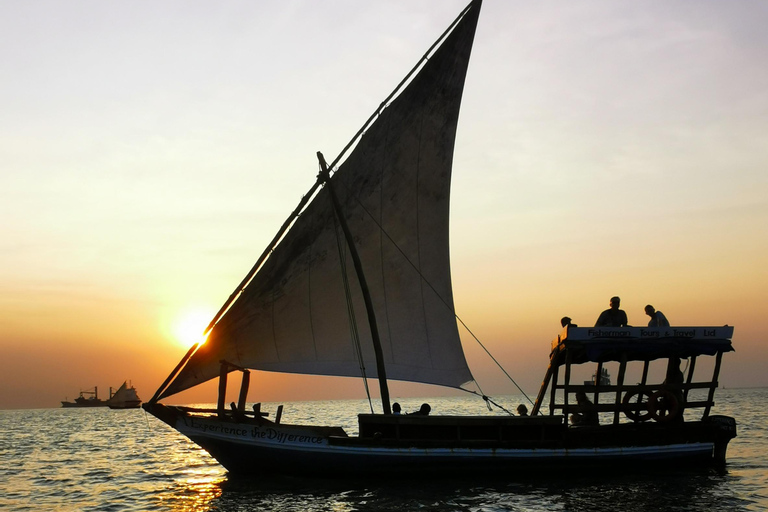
x=278, y=414
x=625, y=407
x=555, y=376
x=244, y=390
x=713, y=384
x=567, y=383
x=598, y=377
x=542, y=390
x=619, y=386
x=689, y=379
x=220, y=407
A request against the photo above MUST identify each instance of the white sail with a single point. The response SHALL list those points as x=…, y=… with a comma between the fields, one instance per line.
x=124, y=398
x=394, y=188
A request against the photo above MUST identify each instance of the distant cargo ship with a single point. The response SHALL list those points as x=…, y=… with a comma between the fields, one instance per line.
x=124, y=398
x=605, y=379
x=92, y=400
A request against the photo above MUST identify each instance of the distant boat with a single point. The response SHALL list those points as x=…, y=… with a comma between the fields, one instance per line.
x=605, y=379
x=92, y=400
x=357, y=283
x=124, y=398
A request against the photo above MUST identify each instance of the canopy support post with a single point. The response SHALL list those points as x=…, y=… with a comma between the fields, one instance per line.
x=325, y=177
x=598, y=382
x=566, y=384
x=553, y=392
x=619, y=388
x=713, y=384
x=689, y=379
x=543, y=389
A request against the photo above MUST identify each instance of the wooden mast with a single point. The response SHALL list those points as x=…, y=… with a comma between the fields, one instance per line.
x=325, y=178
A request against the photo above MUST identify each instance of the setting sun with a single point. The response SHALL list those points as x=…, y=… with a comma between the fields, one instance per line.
x=190, y=325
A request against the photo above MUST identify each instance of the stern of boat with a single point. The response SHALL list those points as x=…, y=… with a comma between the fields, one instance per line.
x=725, y=430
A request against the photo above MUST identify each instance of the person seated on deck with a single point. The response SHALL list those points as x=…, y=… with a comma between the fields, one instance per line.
x=613, y=316
x=566, y=322
x=673, y=383
x=657, y=317
x=396, y=408
x=586, y=417
x=423, y=410
x=522, y=410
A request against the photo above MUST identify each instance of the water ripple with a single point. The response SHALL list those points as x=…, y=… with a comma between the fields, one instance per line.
x=103, y=460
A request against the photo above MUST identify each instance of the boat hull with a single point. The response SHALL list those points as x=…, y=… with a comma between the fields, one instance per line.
x=125, y=405
x=84, y=403
x=252, y=447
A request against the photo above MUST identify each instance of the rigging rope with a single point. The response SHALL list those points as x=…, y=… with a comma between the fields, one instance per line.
x=353, y=331
x=486, y=398
x=451, y=309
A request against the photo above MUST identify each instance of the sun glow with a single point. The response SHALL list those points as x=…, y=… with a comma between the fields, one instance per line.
x=189, y=326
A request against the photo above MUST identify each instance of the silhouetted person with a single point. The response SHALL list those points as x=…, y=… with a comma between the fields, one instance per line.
x=657, y=317
x=522, y=410
x=612, y=317
x=674, y=374
x=566, y=322
x=674, y=384
x=584, y=417
x=396, y=408
x=423, y=410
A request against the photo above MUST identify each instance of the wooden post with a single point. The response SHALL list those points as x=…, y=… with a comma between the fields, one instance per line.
x=220, y=407
x=598, y=378
x=555, y=377
x=713, y=384
x=278, y=414
x=550, y=375
x=542, y=390
x=566, y=384
x=619, y=388
x=689, y=379
x=244, y=390
x=644, y=379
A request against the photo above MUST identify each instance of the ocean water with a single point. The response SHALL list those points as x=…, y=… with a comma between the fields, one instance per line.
x=110, y=460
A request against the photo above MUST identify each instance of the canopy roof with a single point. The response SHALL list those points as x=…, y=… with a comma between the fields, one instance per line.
x=604, y=344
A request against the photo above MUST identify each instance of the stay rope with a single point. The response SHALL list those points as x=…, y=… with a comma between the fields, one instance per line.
x=353, y=331
x=449, y=307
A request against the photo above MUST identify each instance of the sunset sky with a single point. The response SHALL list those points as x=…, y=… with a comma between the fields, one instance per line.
x=150, y=150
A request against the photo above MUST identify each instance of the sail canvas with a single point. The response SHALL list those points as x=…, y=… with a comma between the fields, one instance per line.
x=294, y=316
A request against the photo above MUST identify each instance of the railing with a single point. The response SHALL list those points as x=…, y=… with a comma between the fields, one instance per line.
x=640, y=401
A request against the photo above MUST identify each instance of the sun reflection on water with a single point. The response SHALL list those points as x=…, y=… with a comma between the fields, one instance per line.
x=102, y=459
x=196, y=490
x=197, y=478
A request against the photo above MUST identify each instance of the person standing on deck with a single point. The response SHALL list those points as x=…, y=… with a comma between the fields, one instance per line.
x=657, y=317
x=612, y=317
